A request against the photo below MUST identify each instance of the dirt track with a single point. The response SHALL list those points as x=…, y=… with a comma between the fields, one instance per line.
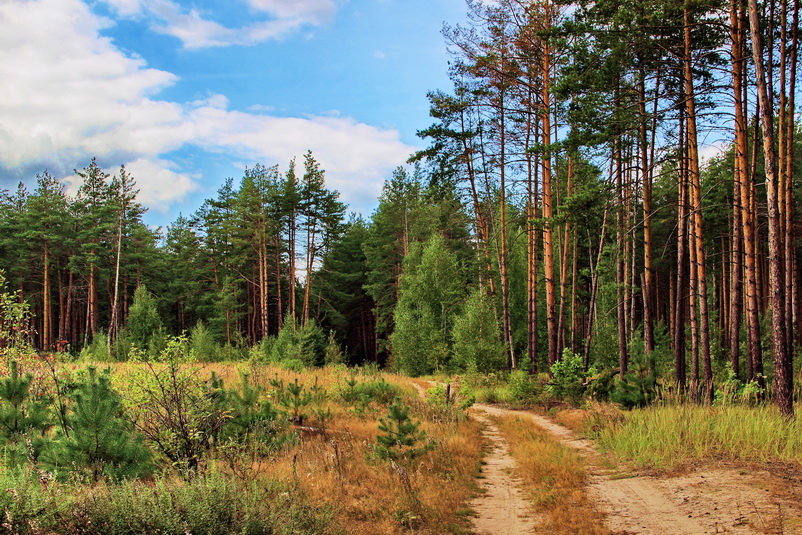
x=703, y=502
x=502, y=508
x=723, y=500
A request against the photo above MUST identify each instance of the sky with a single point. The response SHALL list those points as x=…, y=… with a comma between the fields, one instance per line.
x=186, y=93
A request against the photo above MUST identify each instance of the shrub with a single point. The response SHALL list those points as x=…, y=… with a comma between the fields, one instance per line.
x=568, y=377
x=334, y=353
x=304, y=343
x=202, y=344
x=212, y=504
x=171, y=406
x=361, y=394
x=400, y=438
x=97, y=350
x=638, y=388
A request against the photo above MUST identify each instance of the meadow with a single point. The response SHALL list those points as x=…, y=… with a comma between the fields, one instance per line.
x=236, y=447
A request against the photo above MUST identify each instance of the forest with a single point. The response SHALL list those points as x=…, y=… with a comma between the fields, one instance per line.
x=603, y=219
x=562, y=203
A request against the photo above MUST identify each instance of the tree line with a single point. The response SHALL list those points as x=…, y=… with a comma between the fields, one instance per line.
x=563, y=204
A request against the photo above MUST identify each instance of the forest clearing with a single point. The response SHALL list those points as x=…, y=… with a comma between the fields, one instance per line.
x=571, y=306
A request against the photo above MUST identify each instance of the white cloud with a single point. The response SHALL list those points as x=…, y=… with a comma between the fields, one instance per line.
x=159, y=185
x=195, y=30
x=67, y=93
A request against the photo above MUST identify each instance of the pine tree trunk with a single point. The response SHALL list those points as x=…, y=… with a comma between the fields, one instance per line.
x=548, y=211
x=783, y=372
x=696, y=212
x=646, y=180
x=680, y=288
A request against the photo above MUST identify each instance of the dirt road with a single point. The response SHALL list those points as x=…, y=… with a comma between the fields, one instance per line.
x=722, y=500
x=703, y=502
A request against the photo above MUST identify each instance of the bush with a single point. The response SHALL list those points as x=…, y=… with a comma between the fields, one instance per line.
x=172, y=407
x=522, y=387
x=400, y=438
x=97, y=350
x=334, y=353
x=24, y=421
x=202, y=344
x=304, y=343
x=448, y=404
x=144, y=325
x=568, y=377
x=362, y=394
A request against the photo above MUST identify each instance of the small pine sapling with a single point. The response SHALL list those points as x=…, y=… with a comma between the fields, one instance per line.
x=24, y=422
x=248, y=410
x=101, y=440
x=401, y=439
x=295, y=398
x=402, y=442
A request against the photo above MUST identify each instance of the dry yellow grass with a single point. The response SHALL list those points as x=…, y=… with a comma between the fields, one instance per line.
x=336, y=468
x=555, y=478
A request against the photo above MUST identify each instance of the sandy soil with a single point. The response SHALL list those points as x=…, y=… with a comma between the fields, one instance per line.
x=724, y=500
x=502, y=508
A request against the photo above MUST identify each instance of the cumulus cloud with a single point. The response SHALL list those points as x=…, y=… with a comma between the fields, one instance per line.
x=195, y=30
x=67, y=93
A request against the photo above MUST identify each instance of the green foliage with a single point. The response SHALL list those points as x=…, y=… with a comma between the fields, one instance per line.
x=568, y=377
x=362, y=394
x=171, y=406
x=203, y=345
x=477, y=336
x=522, y=388
x=214, y=504
x=23, y=421
x=305, y=344
x=15, y=323
x=293, y=397
x=400, y=438
x=732, y=390
x=638, y=388
x=449, y=403
x=144, y=325
x=334, y=353
x=431, y=290
x=99, y=438
x=97, y=350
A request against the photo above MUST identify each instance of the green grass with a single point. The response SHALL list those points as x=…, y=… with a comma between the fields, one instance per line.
x=667, y=437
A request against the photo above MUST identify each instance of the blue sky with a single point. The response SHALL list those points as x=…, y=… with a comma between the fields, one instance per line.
x=187, y=93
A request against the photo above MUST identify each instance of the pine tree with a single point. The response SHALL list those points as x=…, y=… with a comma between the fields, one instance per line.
x=400, y=437
x=101, y=440
x=24, y=421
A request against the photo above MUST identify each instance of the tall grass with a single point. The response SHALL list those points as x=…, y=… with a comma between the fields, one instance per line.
x=667, y=437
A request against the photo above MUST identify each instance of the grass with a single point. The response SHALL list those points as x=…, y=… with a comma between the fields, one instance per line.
x=335, y=469
x=555, y=478
x=670, y=437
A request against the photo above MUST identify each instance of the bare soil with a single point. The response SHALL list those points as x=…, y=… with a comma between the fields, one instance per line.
x=502, y=508
x=718, y=500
